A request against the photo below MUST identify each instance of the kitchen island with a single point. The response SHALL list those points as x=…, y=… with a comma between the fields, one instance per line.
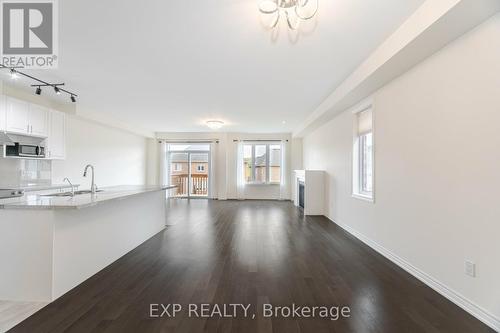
x=50, y=244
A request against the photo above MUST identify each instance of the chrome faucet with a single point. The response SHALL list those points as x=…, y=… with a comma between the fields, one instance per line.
x=70, y=184
x=93, y=187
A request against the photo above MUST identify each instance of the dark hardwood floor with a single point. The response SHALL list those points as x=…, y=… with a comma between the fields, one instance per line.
x=253, y=252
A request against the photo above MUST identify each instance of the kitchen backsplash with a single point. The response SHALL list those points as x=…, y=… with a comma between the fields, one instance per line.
x=22, y=172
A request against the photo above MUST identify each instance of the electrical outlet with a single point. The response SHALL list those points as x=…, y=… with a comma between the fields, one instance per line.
x=470, y=268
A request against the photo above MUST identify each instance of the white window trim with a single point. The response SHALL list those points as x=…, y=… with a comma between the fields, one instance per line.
x=355, y=193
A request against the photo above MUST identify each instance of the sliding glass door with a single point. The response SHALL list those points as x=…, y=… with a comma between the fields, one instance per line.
x=198, y=177
x=189, y=169
x=179, y=173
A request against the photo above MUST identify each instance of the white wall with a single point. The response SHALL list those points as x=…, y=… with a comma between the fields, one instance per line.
x=119, y=157
x=437, y=173
x=226, y=161
x=152, y=155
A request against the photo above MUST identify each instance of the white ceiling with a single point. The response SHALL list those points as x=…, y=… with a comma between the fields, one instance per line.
x=171, y=65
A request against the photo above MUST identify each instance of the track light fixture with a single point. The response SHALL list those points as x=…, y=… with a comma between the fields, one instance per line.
x=14, y=74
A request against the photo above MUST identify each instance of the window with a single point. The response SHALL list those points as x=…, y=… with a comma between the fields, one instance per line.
x=366, y=163
x=274, y=163
x=177, y=167
x=363, y=153
x=200, y=168
x=260, y=159
x=262, y=163
x=248, y=162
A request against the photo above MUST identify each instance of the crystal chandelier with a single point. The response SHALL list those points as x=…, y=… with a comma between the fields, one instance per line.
x=293, y=11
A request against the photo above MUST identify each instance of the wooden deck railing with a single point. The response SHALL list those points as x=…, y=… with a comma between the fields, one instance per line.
x=199, y=185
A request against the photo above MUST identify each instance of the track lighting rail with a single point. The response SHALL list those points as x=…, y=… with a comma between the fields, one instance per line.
x=56, y=86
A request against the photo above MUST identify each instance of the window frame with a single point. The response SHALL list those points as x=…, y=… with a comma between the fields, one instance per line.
x=268, y=165
x=357, y=157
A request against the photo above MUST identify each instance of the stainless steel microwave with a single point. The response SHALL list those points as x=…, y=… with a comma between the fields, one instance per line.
x=21, y=150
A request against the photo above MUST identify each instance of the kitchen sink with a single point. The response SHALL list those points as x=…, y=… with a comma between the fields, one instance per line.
x=69, y=194
x=65, y=194
x=86, y=192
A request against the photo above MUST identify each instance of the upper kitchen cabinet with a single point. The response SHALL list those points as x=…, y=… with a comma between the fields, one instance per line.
x=17, y=116
x=56, y=146
x=38, y=120
x=25, y=118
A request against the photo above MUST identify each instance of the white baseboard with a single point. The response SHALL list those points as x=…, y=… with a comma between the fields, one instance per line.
x=455, y=297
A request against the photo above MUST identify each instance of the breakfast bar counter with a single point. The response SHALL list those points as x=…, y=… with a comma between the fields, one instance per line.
x=51, y=244
x=66, y=201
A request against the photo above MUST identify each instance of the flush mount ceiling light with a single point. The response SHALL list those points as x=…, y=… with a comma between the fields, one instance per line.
x=215, y=124
x=293, y=11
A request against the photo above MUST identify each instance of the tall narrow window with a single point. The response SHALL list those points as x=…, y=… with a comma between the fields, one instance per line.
x=260, y=163
x=274, y=164
x=363, y=153
x=248, y=163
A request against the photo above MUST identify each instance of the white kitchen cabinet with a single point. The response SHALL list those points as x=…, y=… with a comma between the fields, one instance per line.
x=38, y=120
x=25, y=118
x=56, y=143
x=17, y=116
x=2, y=113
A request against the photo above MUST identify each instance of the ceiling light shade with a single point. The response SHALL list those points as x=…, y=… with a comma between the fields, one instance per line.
x=57, y=90
x=215, y=124
x=291, y=11
x=73, y=98
x=38, y=91
x=268, y=7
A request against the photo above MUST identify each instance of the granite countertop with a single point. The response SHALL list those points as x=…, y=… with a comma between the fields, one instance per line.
x=34, y=188
x=36, y=201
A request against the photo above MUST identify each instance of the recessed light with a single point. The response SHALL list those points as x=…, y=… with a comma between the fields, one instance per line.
x=283, y=122
x=215, y=124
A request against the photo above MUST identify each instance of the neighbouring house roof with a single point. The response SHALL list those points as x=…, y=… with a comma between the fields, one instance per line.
x=275, y=158
x=182, y=158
